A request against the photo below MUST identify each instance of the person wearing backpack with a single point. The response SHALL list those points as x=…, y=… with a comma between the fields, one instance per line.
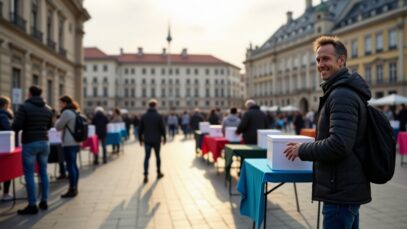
x=66, y=124
x=339, y=179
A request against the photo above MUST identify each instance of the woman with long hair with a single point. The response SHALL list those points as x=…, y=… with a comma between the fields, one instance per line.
x=66, y=124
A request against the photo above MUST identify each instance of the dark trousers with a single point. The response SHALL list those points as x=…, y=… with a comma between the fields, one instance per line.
x=6, y=186
x=148, y=148
x=102, y=142
x=70, y=153
x=116, y=148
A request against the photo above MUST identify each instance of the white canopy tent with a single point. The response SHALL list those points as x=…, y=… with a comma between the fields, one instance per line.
x=289, y=108
x=389, y=100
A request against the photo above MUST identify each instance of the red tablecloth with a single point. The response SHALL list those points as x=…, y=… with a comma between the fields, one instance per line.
x=215, y=145
x=402, y=141
x=92, y=143
x=11, y=165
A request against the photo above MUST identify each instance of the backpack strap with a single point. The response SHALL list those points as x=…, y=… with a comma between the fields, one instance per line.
x=66, y=125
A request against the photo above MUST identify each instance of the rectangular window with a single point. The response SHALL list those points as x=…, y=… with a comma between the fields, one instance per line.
x=176, y=71
x=162, y=71
x=126, y=71
x=188, y=92
x=196, y=71
x=188, y=71
x=36, y=80
x=368, y=74
x=61, y=33
x=133, y=71
x=133, y=92
x=105, y=93
x=143, y=92
x=152, y=92
x=95, y=68
x=34, y=15
x=207, y=94
x=104, y=79
x=379, y=74
x=379, y=42
x=61, y=89
x=50, y=92
x=207, y=71
x=393, y=72
x=368, y=45
x=392, y=39
x=105, y=68
x=152, y=71
x=196, y=92
x=162, y=92
x=126, y=92
x=85, y=94
x=354, y=49
x=95, y=91
x=143, y=71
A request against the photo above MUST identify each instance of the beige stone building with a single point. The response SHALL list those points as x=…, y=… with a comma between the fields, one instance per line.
x=283, y=72
x=179, y=81
x=41, y=44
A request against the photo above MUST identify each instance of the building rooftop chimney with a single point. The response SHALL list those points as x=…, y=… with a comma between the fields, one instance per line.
x=289, y=16
x=308, y=4
x=121, y=51
x=184, y=52
x=140, y=51
x=164, y=51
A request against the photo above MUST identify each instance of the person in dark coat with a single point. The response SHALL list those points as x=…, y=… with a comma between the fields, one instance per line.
x=253, y=120
x=34, y=118
x=299, y=123
x=127, y=122
x=213, y=118
x=6, y=117
x=339, y=180
x=100, y=122
x=151, y=133
x=196, y=118
x=402, y=117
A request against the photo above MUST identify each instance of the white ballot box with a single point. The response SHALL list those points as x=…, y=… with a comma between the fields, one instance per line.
x=91, y=130
x=54, y=136
x=204, y=127
x=262, y=136
x=215, y=131
x=7, y=141
x=113, y=128
x=230, y=134
x=276, y=158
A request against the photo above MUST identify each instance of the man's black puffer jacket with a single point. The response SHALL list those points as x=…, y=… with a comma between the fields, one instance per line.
x=341, y=127
x=34, y=117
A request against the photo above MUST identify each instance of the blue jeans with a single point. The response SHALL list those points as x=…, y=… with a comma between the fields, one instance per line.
x=147, y=148
x=70, y=153
x=340, y=216
x=35, y=151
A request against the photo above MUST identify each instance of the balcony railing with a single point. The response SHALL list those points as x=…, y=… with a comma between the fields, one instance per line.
x=62, y=51
x=51, y=44
x=36, y=33
x=18, y=21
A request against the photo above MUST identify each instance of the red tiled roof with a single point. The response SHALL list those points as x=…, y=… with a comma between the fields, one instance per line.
x=148, y=58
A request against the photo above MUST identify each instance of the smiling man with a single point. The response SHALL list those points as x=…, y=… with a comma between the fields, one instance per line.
x=339, y=181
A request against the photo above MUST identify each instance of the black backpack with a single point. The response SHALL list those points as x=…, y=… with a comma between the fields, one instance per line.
x=379, y=159
x=80, y=132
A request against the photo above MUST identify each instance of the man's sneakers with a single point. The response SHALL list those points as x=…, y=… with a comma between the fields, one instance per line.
x=7, y=197
x=159, y=176
x=43, y=205
x=72, y=192
x=29, y=210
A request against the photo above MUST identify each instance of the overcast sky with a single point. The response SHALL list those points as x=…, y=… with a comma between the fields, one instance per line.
x=223, y=28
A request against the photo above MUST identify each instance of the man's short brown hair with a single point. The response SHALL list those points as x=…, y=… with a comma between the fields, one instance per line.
x=340, y=48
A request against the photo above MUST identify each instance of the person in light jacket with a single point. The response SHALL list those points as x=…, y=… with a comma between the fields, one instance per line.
x=66, y=124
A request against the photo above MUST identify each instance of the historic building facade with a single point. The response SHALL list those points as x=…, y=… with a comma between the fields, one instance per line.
x=179, y=81
x=41, y=44
x=283, y=71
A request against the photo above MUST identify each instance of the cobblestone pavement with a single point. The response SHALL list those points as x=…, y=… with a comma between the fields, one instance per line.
x=191, y=195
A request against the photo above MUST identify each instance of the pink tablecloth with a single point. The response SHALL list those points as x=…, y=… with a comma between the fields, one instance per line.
x=92, y=143
x=215, y=145
x=11, y=165
x=402, y=141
